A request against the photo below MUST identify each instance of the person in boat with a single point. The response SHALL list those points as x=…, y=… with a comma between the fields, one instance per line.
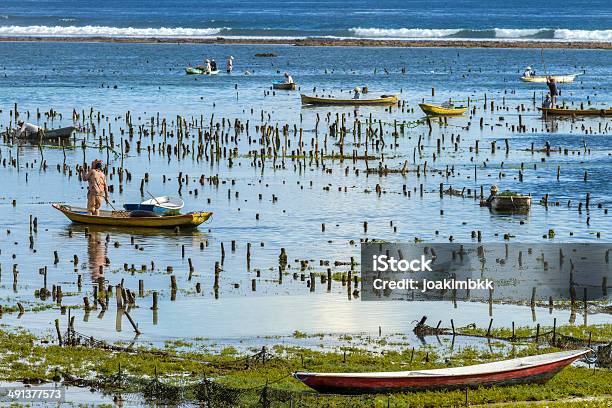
x=213, y=65
x=207, y=67
x=288, y=78
x=488, y=201
x=357, y=93
x=25, y=129
x=552, y=88
x=528, y=72
x=547, y=102
x=97, y=189
x=230, y=64
x=364, y=89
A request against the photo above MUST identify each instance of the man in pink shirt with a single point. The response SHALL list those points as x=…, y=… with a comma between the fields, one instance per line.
x=97, y=188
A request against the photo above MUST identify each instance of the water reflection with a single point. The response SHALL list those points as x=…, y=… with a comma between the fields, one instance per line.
x=97, y=255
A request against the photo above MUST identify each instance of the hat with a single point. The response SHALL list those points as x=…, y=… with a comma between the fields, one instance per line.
x=207, y=60
x=231, y=57
x=494, y=188
x=20, y=122
x=357, y=89
x=529, y=68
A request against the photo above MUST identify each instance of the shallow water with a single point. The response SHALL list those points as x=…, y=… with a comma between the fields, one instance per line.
x=149, y=79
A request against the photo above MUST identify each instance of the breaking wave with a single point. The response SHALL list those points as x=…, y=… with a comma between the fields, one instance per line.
x=493, y=33
x=101, y=31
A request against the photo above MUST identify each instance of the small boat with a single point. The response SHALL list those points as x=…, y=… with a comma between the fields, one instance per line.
x=199, y=71
x=132, y=219
x=511, y=203
x=284, y=86
x=382, y=100
x=49, y=134
x=442, y=110
x=540, y=369
x=566, y=78
x=576, y=112
x=159, y=205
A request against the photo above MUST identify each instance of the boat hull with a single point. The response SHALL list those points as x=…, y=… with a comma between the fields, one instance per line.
x=567, y=78
x=314, y=100
x=575, y=112
x=451, y=378
x=437, y=110
x=49, y=134
x=284, y=87
x=198, y=71
x=80, y=215
x=509, y=203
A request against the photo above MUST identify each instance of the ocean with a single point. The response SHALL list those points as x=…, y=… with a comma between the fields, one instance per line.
x=397, y=19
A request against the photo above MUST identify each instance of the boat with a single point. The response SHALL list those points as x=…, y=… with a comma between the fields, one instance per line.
x=284, y=86
x=163, y=205
x=576, y=112
x=129, y=219
x=565, y=78
x=48, y=134
x=534, y=369
x=510, y=203
x=199, y=71
x=441, y=110
x=315, y=100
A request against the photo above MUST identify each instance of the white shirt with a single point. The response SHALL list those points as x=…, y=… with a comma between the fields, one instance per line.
x=288, y=79
x=27, y=129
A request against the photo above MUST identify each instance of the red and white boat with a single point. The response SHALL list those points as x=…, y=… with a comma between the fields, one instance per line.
x=534, y=369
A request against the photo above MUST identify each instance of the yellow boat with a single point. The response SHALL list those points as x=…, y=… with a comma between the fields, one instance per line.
x=123, y=218
x=382, y=100
x=575, y=112
x=284, y=86
x=430, y=109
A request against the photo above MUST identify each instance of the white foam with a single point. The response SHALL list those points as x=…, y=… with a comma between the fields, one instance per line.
x=102, y=31
x=517, y=32
x=584, y=35
x=403, y=32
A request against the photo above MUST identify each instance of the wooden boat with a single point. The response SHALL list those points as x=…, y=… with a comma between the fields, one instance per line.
x=575, y=112
x=159, y=205
x=442, y=110
x=565, y=78
x=123, y=218
x=382, y=100
x=511, y=203
x=284, y=86
x=522, y=370
x=48, y=134
x=199, y=71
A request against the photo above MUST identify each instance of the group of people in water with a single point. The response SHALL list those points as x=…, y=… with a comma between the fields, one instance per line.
x=210, y=65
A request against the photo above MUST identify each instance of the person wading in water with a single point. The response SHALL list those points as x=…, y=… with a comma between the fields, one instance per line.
x=552, y=87
x=97, y=188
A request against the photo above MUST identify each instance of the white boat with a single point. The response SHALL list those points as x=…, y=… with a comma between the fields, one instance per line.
x=566, y=78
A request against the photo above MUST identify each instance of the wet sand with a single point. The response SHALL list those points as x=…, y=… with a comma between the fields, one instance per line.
x=329, y=42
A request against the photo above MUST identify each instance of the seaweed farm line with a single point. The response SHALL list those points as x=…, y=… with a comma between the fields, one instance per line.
x=294, y=190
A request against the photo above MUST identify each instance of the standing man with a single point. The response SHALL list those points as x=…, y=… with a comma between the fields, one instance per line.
x=96, y=188
x=230, y=64
x=288, y=79
x=552, y=87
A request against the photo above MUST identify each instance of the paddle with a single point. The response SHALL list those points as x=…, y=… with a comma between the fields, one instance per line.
x=543, y=63
x=153, y=197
